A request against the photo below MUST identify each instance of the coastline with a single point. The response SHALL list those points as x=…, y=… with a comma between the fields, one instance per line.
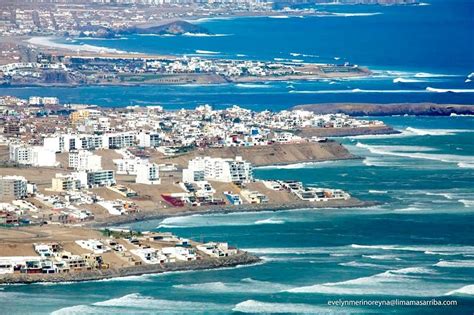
x=241, y=258
x=147, y=216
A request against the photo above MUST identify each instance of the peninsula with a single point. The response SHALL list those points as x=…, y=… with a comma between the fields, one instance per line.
x=364, y=109
x=85, y=168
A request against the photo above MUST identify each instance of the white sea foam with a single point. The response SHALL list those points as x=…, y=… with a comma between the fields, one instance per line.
x=206, y=52
x=246, y=285
x=278, y=17
x=465, y=165
x=446, y=158
x=466, y=290
x=287, y=250
x=382, y=257
x=467, y=203
x=355, y=91
x=455, y=263
x=298, y=165
x=204, y=35
x=435, y=132
x=398, y=282
x=79, y=310
x=405, y=80
x=50, y=42
x=429, y=250
x=357, y=264
x=255, y=307
x=432, y=75
x=253, y=86
x=372, y=191
x=438, y=90
x=139, y=301
x=361, y=14
x=270, y=221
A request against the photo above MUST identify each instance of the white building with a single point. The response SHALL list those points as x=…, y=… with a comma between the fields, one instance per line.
x=97, y=178
x=129, y=165
x=149, y=139
x=219, y=169
x=32, y=155
x=84, y=161
x=148, y=174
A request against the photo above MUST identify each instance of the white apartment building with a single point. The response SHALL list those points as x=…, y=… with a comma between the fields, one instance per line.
x=70, y=142
x=119, y=140
x=148, y=174
x=219, y=169
x=83, y=160
x=149, y=139
x=129, y=165
x=97, y=178
x=32, y=155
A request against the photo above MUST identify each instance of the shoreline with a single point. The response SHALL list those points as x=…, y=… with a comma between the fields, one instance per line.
x=248, y=208
x=240, y=259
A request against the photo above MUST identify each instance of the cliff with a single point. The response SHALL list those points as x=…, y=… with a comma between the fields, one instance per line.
x=270, y=154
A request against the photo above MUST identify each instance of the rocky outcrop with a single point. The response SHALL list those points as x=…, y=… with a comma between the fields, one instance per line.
x=364, y=109
x=173, y=28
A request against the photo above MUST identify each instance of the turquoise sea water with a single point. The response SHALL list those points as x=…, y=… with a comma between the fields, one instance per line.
x=418, y=244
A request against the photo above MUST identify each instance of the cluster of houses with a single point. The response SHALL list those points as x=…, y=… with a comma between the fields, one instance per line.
x=76, y=149
x=307, y=193
x=170, y=132
x=89, y=254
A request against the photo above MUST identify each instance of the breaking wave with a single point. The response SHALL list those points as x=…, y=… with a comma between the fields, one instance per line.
x=270, y=221
x=391, y=282
x=248, y=285
x=405, y=80
x=206, y=52
x=392, y=151
x=438, y=90
x=139, y=302
x=455, y=263
x=466, y=290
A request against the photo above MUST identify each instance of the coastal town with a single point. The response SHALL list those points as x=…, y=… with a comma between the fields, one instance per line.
x=73, y=70
x=82, y=166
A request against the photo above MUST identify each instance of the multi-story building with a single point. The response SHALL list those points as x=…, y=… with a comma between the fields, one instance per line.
x=83, y=160
x=148, y=174
x=149, y=139
x=97, y=178
x=219, y=169
x=63, y=182
x=32, y=155
x=12, y=187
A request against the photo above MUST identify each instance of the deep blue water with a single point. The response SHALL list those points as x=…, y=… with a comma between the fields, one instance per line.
x=418, y=244
x=424, y=46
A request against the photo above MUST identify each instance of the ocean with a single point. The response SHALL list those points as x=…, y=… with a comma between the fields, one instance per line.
x=418, y=244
